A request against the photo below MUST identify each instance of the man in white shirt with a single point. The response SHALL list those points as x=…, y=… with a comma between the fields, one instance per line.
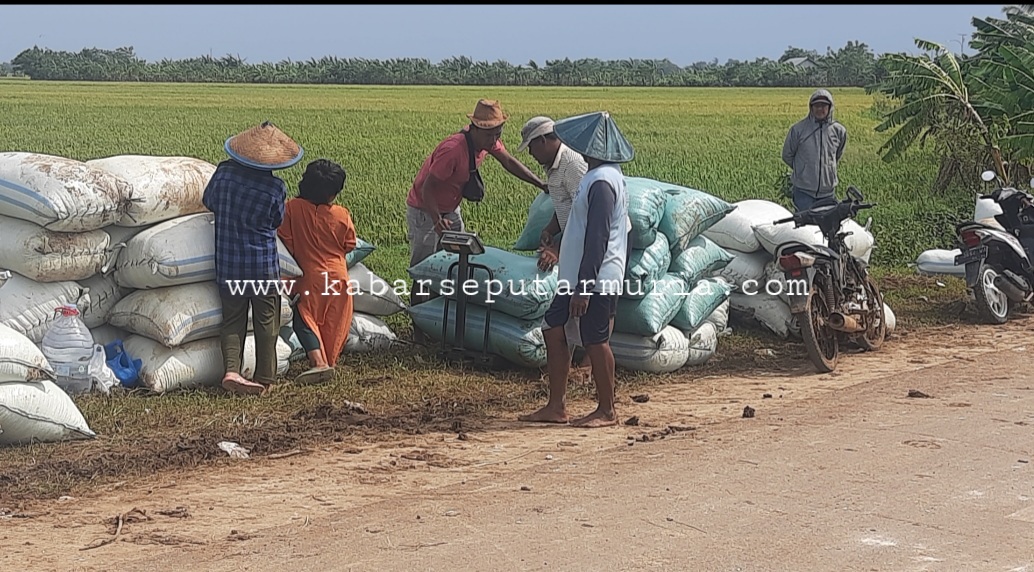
x=564, y=171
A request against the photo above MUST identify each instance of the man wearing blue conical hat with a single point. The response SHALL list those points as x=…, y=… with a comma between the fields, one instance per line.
x=591, y=268
x=248, y=202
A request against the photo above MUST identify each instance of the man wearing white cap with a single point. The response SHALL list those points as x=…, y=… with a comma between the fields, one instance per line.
x=564, y=171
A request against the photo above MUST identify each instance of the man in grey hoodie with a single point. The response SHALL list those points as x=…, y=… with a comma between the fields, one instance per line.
x=812, y=149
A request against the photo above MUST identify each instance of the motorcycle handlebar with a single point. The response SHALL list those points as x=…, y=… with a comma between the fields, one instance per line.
x=783, y=221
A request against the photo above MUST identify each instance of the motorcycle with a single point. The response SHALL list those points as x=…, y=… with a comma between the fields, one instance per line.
x=998, y=260
x=835, y=300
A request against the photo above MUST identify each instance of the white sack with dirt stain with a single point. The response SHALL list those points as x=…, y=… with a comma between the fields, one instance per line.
x=120, y=237
x=194, y=364
x=41, y=412
x=20, y=359
x=32, y=406
x=703, y=342
x=60, y=194
x=771, y=236
x=28, y=307
x=102, y=293
x=178, y=314
x=163, y=187
x=368, y=334
x=744, y=267
x=769, y=311
x=49, y=256
x=664, y=352
x=179, y=251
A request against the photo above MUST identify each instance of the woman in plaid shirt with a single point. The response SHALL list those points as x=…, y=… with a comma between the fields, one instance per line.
x=248, y=202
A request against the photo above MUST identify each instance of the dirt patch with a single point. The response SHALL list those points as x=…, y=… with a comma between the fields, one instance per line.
x=63, y=469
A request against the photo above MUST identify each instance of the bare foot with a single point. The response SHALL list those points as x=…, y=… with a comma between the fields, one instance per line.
x=547, y=414
x=596, y=419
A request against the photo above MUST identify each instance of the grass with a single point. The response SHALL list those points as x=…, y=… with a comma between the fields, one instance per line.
x=724, y=141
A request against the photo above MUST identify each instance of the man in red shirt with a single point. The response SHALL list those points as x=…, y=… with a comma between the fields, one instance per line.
x=445, y=179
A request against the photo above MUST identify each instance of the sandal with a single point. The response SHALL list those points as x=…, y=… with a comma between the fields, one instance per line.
x=315, y=376
x=234, y=383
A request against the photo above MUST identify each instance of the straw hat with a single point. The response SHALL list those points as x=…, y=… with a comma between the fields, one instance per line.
x=264, y=147
x=595, y=135
x=488, y=114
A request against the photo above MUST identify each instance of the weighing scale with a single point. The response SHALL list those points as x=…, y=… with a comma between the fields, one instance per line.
x=464, y=245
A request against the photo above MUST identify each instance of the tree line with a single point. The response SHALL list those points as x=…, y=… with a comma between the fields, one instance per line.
x=854, y=65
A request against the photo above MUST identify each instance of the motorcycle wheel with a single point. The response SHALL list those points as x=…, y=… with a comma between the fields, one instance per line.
x=992, y=303
x=872, y=339
x=821, y=342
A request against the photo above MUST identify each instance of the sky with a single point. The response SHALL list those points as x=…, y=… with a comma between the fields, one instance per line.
x=683, y=34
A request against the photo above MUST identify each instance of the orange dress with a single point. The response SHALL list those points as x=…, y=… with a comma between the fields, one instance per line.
x=319, y=237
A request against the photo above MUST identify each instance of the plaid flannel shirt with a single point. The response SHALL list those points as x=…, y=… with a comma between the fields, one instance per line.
x=249, y=207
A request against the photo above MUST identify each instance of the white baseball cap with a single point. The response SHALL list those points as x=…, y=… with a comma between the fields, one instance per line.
x=535, y=127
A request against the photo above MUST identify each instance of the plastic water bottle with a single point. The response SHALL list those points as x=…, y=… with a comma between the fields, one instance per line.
x=68, y=346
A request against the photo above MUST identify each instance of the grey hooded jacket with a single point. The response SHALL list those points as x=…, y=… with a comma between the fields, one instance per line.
x=813, y=149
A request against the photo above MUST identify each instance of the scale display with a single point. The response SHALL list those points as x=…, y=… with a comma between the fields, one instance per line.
x=462, y=242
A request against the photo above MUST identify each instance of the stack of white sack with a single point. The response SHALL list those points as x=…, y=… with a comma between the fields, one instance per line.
x=166, y=311
x=509, y=305
x=760, y=289
x=939, y=261
x=54, y=216
x=54, y=213
x=669, y=314
x=32, y=407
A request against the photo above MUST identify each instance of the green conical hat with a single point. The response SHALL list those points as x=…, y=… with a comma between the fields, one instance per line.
x=595, y=135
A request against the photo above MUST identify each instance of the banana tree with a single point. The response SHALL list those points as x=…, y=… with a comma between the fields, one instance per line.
x=934, y=98
x=1005, y=71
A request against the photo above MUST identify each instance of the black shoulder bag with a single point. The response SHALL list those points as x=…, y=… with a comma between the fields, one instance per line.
x=474, y=189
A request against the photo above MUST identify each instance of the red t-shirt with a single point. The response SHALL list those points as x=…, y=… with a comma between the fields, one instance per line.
x=450, y=163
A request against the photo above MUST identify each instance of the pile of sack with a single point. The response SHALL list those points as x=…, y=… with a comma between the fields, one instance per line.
x=670, y=314
x=760, y=289
x=128, y=241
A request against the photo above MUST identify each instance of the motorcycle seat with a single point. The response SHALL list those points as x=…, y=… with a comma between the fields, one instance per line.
x=798, y=246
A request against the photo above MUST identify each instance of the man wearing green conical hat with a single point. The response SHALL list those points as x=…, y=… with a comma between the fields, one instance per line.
x=591, y=268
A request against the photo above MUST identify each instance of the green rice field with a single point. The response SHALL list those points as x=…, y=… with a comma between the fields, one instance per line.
x=724, y=141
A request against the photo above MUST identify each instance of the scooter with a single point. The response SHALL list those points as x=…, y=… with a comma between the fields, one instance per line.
x=831, y=294
x=998, y=260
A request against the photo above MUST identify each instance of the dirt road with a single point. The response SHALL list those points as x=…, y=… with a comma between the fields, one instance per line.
x=833, y=472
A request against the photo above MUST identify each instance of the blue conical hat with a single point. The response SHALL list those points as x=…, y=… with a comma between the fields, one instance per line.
x=595, y=135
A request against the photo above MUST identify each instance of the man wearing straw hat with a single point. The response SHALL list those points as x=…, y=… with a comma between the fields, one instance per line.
x=450, y=174
x=248, y=202
x=593, y=255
